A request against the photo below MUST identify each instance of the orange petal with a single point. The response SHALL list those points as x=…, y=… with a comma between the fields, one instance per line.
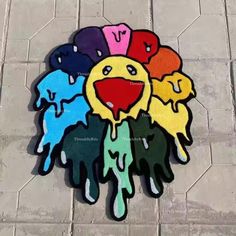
x=165, y=62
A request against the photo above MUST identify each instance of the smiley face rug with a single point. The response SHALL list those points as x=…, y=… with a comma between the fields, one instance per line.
x=113, y=104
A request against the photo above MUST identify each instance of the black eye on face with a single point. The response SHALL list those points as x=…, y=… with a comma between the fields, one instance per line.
x=131, y=69
x=106, y=70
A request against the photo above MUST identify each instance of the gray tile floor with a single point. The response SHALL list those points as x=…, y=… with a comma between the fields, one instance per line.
x=201, y=200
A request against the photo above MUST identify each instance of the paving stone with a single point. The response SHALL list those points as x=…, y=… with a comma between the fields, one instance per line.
x=170, y=41
x=97, y=213
x=140, y=230
x=36, y=15
x=91, y=8
x=232, y=33
x=16, y=50
x=187, y=175
x=197, y=43
x=214, y=230
x=135, y=13
x=172, y=207
x=1, y=60
x=43, y=67
x=172, y=17
x=66, y=8
x=41, y=229
x=6, y=229
x=2, y=15
x=8, y=206
x=174, y=230
x=217, y=118
x=234, y=76
x=100, y=230
x=212, y=83
x=223, y=151
x=199, y=126
x=212, y=198
x=212, y=7
x=45, y=199
x=231, y=7
x=14, y=153
x=93, y=21
x=57, y=32
x=44, y=31
x=33, y=75
x=142, y=209
x=16, y=119
x=213, y=92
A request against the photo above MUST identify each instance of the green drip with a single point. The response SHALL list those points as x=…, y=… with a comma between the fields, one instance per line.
x=82, y=148
x=151, y=153
x=118, y=158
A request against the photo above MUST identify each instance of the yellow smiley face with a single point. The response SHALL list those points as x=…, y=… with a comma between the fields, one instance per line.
x=117, y=88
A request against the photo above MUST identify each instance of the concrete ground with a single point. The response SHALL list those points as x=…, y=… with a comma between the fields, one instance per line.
x=202, y=198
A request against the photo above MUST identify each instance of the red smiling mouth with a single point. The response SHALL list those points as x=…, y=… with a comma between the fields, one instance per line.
x=118, y=94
